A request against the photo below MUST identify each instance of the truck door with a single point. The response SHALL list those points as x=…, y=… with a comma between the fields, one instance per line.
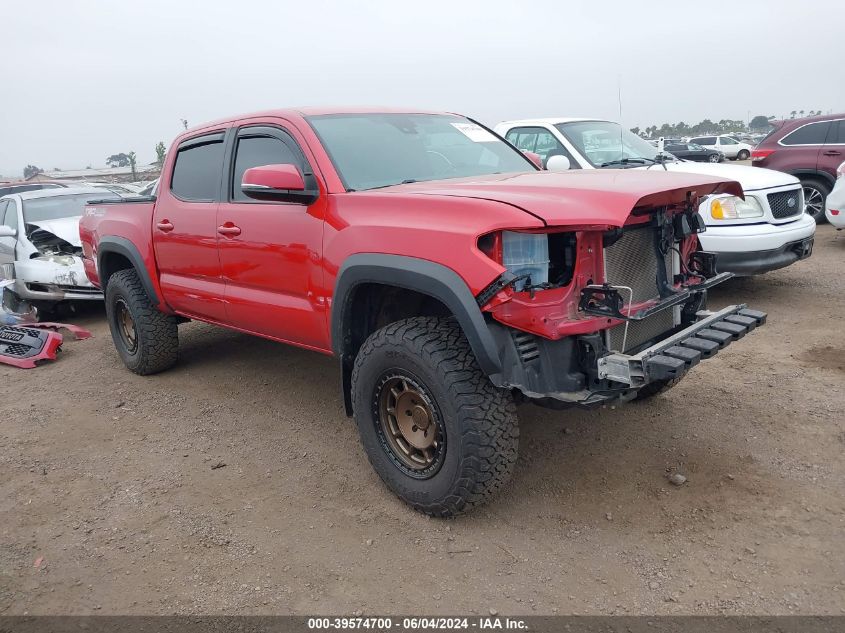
x=270, y=251
x=185, y=229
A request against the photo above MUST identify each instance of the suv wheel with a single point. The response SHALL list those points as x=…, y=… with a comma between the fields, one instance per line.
x=815, y=194
x=743, y=154
x=434, y=427
x=146, y=339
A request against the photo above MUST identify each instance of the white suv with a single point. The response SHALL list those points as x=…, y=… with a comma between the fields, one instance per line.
x=765, y=231
x=729, y=146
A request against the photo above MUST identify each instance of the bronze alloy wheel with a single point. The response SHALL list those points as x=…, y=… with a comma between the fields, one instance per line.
x=409, y=425
x=126, y=326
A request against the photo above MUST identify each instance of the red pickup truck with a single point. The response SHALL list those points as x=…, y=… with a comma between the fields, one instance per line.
x=449, y=275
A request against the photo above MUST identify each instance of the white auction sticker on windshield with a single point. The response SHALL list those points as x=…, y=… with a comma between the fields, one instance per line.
x=475, y=132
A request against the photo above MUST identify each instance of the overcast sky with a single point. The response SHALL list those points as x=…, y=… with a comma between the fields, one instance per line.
x=84, y=80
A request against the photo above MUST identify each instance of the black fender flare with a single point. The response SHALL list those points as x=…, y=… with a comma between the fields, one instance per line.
x=814, y=173
x=426, y=277
x=122, y=246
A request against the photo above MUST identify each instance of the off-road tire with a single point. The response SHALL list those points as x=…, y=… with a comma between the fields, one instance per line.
x=655, y=388
x=823, y=190
x=480, y=421
x=157, y=336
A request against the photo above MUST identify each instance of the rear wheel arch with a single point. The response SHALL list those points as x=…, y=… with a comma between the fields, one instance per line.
x=373, y=290
x=813, y=174
x=118, y=253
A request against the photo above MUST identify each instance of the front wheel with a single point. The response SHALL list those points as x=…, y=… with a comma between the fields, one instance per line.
x=815, y=194
x=743, y=155
x=715, y=158
x=434, y=427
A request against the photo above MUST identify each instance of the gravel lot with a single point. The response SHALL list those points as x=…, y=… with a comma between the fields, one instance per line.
x=235, y=484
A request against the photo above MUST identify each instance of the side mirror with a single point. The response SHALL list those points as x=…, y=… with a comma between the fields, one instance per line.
x=534, y=158
x=282, y=183
x=558, y=163
x=7, y=231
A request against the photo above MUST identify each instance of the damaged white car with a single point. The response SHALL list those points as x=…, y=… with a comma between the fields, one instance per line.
x=40, y=248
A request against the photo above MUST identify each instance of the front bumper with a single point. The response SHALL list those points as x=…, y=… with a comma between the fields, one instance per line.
x=52, y=279
x=580, y=371
x=758, y=262
x=751, y=249
x=672, y=357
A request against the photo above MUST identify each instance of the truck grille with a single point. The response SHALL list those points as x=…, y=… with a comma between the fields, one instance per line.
x=785, y=204
x=631, y=261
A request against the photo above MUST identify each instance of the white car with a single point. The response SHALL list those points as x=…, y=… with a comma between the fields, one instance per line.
x=834, y=209
x=765, y=231
x=40, y=247
x=729, y=146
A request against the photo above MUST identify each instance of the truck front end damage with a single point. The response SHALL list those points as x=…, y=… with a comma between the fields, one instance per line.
x=592, y=315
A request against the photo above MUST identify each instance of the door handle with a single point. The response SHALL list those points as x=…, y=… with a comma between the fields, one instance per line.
x=832, y=152
x=229, y=229
x=165, y=226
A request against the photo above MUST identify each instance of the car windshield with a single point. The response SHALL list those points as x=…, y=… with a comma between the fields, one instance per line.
x=57, y=207
x=378, y=150
x=608, y=144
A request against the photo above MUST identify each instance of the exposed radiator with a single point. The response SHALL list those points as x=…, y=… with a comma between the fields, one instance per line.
x=631, y=261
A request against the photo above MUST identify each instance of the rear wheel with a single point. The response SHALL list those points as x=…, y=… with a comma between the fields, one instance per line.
x=815, y=194
x=434, y=427
x=146, y=339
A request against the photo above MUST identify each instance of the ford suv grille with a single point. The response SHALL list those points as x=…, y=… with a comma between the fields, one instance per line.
x=785, y=204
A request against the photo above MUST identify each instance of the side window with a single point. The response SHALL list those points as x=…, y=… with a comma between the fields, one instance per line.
x=10, y=218
x=810, y=134
x=523, y=138
x=3, y=207
x=198, y=169
x=540, y=141
x=837, y=133
x=726, y=140
x=253, y=151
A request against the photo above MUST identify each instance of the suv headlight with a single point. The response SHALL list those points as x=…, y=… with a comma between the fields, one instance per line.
x=734, y=208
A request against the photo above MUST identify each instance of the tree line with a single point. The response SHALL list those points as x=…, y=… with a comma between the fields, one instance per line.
x=121, y=159
x=759, y=123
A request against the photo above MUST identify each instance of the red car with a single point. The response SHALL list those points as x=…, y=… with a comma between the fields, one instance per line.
x=448, y=275
x=810, y=149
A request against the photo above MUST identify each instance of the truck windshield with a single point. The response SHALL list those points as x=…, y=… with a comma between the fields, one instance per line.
x=379, y=150
x=57, y=207
x=608, y=144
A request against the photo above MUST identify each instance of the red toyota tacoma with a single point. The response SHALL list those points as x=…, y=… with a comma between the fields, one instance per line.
x=450, y=277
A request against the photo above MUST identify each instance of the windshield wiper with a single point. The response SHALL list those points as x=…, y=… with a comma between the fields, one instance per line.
x=407, y=181
x=629, y=161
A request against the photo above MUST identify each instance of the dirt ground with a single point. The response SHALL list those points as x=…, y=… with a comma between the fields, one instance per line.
x=235, y=484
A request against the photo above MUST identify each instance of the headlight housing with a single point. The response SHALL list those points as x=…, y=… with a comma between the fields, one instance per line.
x=735, y=208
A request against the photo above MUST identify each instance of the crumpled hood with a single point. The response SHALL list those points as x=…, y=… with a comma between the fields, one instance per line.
x=751, y=178
x=64, y=228
x=582, y=197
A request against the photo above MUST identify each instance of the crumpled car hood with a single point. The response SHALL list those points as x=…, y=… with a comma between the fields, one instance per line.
x=64, y=228
x=582, y=197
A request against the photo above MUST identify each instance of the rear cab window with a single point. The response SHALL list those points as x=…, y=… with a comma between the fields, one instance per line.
x=198, y=169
